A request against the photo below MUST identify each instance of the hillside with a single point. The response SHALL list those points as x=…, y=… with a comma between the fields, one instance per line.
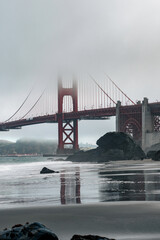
x=23, y=146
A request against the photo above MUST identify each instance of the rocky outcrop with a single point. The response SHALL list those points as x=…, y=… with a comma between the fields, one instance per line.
x=123, y=143
x=154, y=155
x=47, y=170
x=37, y=231
x=89, y=237
x=112, y=146
x=153, y=152
x=33, y=231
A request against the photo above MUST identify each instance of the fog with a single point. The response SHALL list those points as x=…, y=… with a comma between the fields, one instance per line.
x=43, y=39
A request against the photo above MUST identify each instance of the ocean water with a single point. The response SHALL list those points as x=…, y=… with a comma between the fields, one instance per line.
x=22, y=185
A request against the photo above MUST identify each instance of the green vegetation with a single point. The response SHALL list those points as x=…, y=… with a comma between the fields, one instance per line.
x=28, y=147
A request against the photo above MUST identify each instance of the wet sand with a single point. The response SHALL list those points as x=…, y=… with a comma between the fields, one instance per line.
x=120, y=220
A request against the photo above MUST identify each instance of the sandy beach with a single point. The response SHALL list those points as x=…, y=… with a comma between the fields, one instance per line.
x=120, y=220
x=117, y=199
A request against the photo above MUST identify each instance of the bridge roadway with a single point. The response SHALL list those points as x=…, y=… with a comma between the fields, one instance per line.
x=53, y=118
x=91, y=114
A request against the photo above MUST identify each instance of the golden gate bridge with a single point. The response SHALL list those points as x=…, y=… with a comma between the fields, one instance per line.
x=70, y=101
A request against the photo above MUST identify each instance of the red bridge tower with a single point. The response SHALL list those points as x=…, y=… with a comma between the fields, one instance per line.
x=67, y=128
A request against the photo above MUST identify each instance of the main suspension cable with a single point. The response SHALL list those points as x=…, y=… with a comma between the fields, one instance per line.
x=120, y=89
x=20, y=106
x=34, y=104
x=102, y=89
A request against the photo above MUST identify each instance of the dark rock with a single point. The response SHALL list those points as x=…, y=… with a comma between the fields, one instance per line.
x=47, y=170
x=157, y=156
x=123, y=142
x=153, y=152
x=89, y=237
x=84, y=156
x=33, y=231
x=112, y=146
x=154, y=155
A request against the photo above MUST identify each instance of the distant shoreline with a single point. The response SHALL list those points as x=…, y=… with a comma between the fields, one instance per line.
x=22, y=155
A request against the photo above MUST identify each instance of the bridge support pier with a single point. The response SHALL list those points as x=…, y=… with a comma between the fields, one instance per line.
x=118, y=116
x=147, y=123
x=68, y=128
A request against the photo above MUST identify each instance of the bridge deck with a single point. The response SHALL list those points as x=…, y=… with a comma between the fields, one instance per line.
x=92, y=114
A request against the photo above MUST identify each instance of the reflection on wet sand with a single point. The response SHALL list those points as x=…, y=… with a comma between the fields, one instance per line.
x=109, y=185
x=70, y=187
x=152, y=186
x=130, y=185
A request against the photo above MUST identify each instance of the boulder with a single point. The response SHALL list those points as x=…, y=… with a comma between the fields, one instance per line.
x=89, y=237
x=47, y=170
x=37, y=231
x=154, y=155
x=157, y=156
x=33, y=231
x=153, y=152
x=122, y=142
x=111, y=147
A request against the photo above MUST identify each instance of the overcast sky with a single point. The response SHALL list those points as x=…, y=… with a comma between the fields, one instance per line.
x=41, y=38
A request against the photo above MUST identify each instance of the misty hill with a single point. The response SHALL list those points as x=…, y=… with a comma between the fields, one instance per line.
x=5, y=142
x=24, y=146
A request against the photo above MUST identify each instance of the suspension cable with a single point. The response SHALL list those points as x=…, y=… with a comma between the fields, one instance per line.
x=34, y=104
x=102, y=89
x=20, y=106
x=119, y=89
